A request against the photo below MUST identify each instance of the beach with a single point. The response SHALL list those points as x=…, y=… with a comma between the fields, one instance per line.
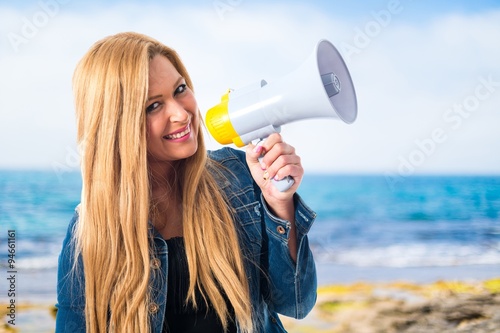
x=397, y=307
x=440, y=307
x=350, y=300
x=423, y=256
x=403, y=300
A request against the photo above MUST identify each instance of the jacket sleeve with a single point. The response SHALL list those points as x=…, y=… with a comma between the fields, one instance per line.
x=291, y=285
x=70, y=288
x=287, y=287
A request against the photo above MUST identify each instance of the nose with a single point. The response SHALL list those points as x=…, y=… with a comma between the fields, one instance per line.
x=177, y=113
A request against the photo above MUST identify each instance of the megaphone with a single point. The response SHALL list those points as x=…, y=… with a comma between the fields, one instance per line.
x=321, y=87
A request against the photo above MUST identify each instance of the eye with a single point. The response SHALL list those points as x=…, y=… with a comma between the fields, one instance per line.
x=152, y=107
x=180, y=89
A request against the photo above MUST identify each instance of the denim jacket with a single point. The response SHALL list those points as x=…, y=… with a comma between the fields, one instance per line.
x=277, y=284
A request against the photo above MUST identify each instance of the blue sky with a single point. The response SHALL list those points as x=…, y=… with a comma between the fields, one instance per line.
x=426, y=74
x=421, y=9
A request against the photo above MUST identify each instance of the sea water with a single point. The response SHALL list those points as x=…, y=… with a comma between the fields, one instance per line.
x=422, y=221
x=364, y=222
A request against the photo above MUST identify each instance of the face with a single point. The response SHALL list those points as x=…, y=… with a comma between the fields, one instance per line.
x=172, y=114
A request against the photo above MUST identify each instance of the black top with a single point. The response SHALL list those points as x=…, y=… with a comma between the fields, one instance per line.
x=179, y=317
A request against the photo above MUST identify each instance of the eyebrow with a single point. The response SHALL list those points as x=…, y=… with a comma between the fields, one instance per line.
x=161, y=95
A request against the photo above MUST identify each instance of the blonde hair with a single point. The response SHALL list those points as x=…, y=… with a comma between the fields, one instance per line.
x=112, y=236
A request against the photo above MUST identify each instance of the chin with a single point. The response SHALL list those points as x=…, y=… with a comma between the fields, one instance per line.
x=185, y=153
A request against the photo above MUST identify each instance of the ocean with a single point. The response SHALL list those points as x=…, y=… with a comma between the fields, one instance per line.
x=368, y=228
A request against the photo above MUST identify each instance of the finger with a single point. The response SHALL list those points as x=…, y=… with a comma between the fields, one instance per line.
x=277, y=156
x=254, y=152
x=270, y=141
x=292, y=170
x=282, y=166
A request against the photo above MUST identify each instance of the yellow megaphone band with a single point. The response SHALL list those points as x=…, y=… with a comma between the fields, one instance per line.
x=219, y=123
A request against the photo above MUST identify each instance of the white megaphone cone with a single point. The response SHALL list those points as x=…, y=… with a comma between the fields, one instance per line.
x=320, y=88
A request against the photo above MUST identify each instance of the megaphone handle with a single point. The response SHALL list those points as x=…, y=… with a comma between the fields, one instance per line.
x=283, y=184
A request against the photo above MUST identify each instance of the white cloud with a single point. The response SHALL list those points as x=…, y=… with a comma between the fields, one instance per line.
x=406, y=79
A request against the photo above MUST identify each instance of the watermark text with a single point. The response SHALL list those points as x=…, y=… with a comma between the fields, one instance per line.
x=11, y=277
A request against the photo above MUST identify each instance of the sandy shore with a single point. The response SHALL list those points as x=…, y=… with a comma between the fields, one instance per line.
x=397, y=307
x=29, y=318
x=438, y=307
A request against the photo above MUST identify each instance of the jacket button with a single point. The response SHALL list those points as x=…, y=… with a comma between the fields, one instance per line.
x=155, y=263
x=153, y=308
x=280, y=230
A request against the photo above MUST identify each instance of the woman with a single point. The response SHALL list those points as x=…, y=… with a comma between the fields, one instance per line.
x=168, y=237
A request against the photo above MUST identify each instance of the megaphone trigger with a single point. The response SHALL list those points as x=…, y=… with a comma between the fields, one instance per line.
x=283, y=184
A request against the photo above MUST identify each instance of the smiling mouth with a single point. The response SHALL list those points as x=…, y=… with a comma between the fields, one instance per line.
x=179, y=134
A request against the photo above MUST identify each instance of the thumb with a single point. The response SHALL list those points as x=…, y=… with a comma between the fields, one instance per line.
x=254, y=158
x=254, y=152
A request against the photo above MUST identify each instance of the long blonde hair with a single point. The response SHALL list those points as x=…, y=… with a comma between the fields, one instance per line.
x=112, y=236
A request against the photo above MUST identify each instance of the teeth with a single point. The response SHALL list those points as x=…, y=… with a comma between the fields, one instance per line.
x=178, y=135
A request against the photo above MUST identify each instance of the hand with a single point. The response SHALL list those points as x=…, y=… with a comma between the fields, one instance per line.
x=279, y=160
